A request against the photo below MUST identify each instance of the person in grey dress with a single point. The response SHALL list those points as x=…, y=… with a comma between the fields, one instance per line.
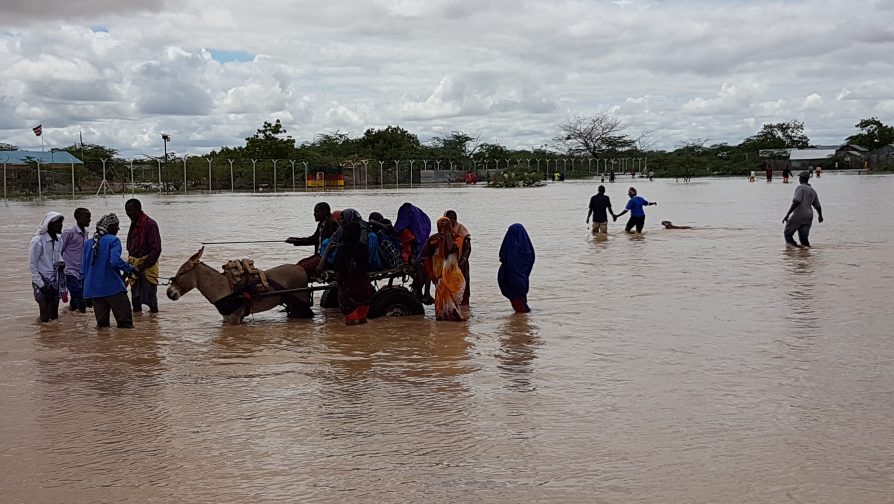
x=799, y=217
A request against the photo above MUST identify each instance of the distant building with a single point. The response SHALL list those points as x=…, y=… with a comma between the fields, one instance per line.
x=803, y=158
x=826, y=156
x=24, y=158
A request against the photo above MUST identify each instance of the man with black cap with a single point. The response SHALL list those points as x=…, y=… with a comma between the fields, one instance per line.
x=799, y=217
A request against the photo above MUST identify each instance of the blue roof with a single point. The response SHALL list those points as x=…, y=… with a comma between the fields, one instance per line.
x=20, y=157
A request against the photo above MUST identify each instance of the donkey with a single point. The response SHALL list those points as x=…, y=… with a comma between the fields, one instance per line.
x=234, y=307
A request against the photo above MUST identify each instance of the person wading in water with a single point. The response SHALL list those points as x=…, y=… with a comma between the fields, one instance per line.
x=143, y=249
x=45, y=259
x=799, y=217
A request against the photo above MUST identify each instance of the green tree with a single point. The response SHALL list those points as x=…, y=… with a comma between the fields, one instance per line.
x=456, y=147
x=778, y=136
x=270, y=142
x=875, y=134
x=392, y=142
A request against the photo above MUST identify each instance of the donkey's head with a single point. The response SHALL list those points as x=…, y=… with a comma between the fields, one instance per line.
x=185, y=279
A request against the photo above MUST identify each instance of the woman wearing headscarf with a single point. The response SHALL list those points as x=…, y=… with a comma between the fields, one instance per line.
x=45, y=263
x=413, y=227
x=516, y=263
x=331, y=246
x=635, y=206
x=101, y=269
x=444, y=248
x=460, y=231
x=351, y=267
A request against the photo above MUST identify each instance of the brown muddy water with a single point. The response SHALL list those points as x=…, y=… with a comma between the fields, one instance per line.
x=710, y=365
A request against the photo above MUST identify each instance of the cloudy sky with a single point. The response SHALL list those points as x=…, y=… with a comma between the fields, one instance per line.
x=124, y=71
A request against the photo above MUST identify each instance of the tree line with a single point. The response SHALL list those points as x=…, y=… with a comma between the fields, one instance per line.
x=599, y=136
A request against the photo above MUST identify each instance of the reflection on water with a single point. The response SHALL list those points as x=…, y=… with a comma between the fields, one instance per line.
x=711, y=365
x=518, y=349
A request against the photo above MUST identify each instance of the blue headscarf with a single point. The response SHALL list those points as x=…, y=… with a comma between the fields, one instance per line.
x=409, y=216
x=516, y=262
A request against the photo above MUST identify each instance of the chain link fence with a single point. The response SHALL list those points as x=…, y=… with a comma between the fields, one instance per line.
x=186, y=175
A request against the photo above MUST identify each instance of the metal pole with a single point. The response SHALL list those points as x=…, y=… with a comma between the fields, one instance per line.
x=72, y=179
x=366, y=174
x=396, y=174
x=131, y=179
x=274, y=174
x=292, y=162
x=381, y=174
x=39, y=188
x=160, y=187
x=438, y=165
x=184, y=173
x=232, y=187
x=354, y=175
x=305, y=175
x=411, y=172
x=5, y=199
x=254, y=175
x=209, y=176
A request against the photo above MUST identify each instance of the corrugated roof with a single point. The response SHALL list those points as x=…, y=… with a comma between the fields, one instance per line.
x=805, y=154
x=21, y=157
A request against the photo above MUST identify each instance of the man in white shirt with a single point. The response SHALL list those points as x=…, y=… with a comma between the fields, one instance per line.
x=45, y=261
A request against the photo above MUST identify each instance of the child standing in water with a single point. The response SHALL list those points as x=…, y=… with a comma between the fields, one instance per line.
x=516, y=263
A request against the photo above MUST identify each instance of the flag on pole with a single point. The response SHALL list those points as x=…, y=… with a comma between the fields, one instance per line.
x=38, y=130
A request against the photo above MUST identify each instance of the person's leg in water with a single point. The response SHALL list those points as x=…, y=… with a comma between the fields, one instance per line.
x=640, y=223
x=804, y=235
x=789, y=235
x=629, y=226
x=121, y=309
x=101, y=310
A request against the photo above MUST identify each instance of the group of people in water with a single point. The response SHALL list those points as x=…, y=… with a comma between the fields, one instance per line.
x=91, y=270
x=601, y=206
x=353, y=247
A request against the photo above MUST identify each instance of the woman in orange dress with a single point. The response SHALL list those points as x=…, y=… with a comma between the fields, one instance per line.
x=444, y=249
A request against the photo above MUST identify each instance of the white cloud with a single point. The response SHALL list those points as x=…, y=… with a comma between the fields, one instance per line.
x=508, y=71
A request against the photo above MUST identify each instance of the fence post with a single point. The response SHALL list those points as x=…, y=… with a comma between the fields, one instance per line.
x=396, y=174
x=292, y=162
x=72, y=180
x=411, y=172
x=366, y=174
x=184, y=173
x=254, y=168
x=160, y=187
x=274, y=174
x=305, y=175
x=354, y=175
x=381, y=174
x=232, y=187
x=209, y=176
x=39, y=188
x=5, y=199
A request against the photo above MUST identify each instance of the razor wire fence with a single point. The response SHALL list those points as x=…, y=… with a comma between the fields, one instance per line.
x=203, y=175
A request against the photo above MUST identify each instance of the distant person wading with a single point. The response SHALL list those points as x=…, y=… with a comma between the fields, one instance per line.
x=799, y=217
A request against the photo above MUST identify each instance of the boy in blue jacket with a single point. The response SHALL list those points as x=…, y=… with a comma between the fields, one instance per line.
x=101, y=270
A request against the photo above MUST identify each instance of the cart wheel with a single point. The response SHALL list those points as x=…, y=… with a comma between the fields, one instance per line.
x=329, y=299
x=395, y=302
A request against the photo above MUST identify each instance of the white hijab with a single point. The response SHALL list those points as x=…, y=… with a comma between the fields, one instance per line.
x=45, y=223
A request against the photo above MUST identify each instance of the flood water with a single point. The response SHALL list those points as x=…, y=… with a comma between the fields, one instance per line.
x=710, y=365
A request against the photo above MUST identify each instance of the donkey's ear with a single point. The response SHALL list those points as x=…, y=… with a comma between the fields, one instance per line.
x=198, y=255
